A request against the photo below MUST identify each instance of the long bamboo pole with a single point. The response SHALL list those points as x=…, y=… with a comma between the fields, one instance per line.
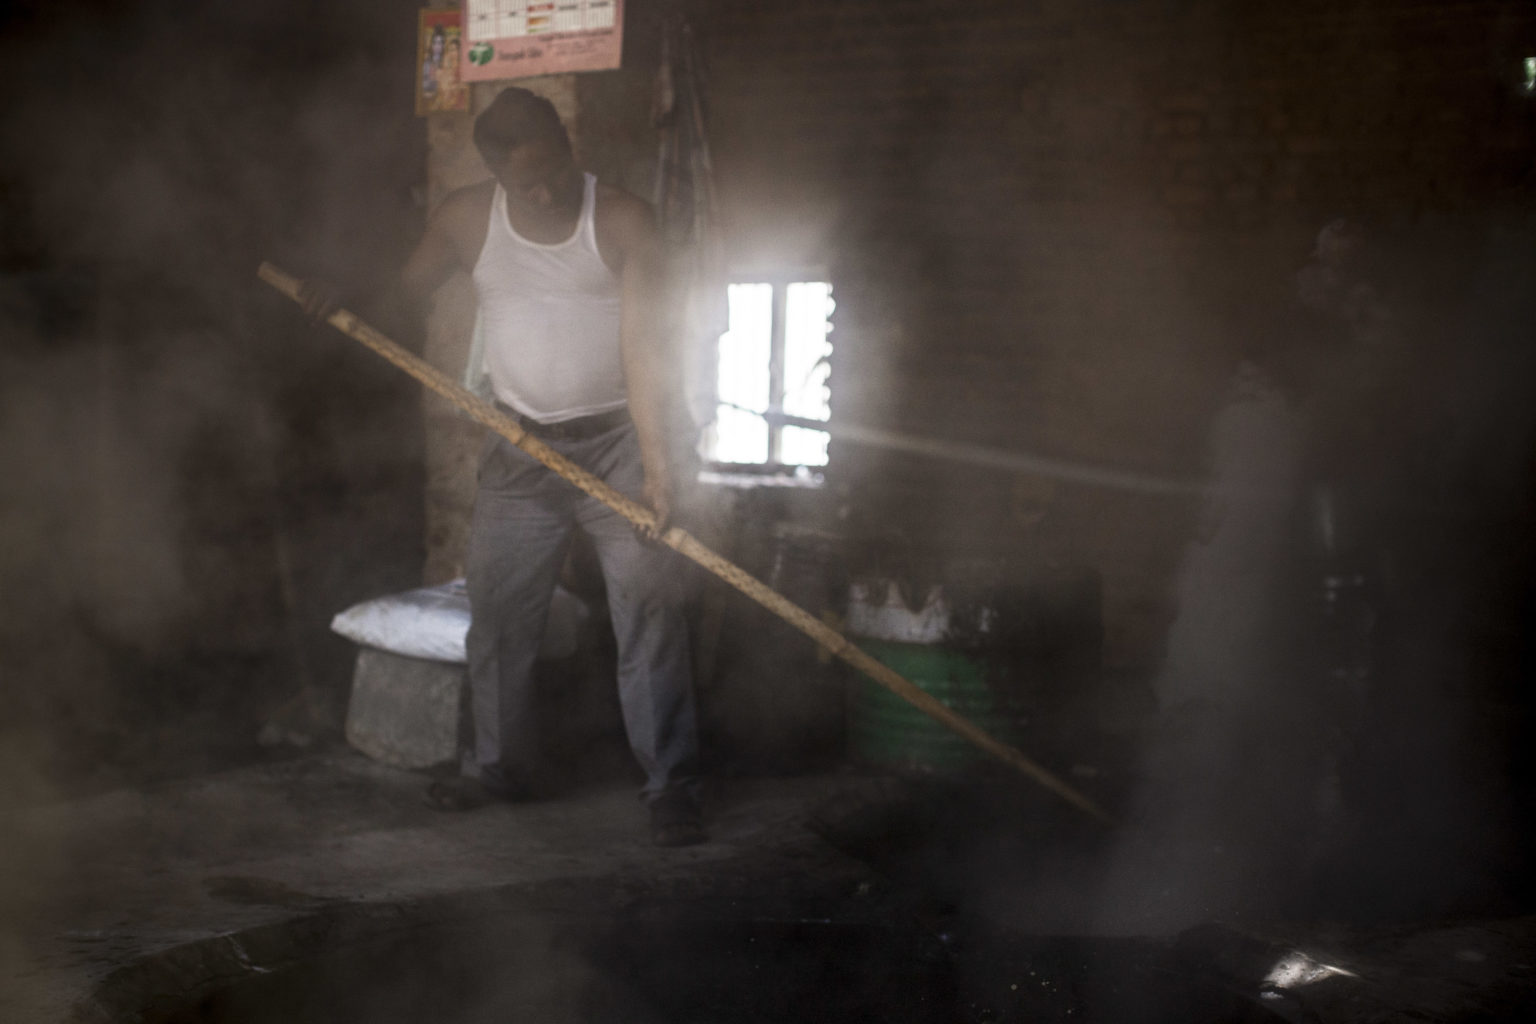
x=685, y=544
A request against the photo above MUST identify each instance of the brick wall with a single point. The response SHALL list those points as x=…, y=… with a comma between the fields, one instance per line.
x=1057, y=226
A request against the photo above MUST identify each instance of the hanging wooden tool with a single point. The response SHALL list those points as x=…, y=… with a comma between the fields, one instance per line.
x=685, y=544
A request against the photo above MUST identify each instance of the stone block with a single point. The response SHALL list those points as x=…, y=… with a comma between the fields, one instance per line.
x=405, y=711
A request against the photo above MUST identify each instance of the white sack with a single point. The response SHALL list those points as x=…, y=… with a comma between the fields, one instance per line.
x=431, y=623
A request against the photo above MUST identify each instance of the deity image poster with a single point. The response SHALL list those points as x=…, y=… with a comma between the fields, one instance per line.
x=439, y=61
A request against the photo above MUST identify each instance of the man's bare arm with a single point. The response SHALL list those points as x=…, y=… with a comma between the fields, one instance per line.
x=648, y=368
x=439, y=253
x=434, y=260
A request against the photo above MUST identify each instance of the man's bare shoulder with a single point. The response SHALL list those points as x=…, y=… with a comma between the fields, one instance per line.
x=470, y=200
x=623, y=216
x=461, y=218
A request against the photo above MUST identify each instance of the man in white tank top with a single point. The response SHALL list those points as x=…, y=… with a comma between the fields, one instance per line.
x=568, y=273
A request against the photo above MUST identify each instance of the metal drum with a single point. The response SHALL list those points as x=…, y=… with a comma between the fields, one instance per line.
x=1000, y=654
x=909, y=635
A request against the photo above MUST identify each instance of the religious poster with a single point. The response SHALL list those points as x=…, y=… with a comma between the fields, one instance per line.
x=440, y=62
x=518, y=38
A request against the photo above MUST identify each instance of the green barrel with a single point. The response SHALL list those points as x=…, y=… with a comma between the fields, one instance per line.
x=885, y=730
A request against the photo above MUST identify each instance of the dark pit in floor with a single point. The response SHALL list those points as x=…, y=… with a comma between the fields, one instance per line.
x=688, y=964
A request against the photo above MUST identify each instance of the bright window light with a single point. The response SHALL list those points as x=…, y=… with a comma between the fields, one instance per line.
x=741, y=432
x=807, y=354
x=774, y=370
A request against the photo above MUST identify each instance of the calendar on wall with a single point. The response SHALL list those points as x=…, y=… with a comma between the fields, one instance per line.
x=518, y=38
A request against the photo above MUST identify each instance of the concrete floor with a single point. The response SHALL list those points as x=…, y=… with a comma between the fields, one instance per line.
x=141, y=898
x=121, y=878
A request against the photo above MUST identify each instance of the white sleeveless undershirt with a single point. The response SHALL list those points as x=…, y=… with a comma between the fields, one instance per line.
x=550, y=318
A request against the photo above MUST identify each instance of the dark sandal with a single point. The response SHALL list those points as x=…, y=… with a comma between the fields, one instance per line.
x=457, y=794
x=675, y=821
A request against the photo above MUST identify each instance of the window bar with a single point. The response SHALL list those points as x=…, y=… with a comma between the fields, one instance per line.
x=776, y=373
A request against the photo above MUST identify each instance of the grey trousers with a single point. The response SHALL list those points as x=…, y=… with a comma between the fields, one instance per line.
x=524, y=519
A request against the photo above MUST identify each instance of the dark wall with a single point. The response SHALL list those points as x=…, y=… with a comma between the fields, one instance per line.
x=194, y=479
x=1059, y=227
